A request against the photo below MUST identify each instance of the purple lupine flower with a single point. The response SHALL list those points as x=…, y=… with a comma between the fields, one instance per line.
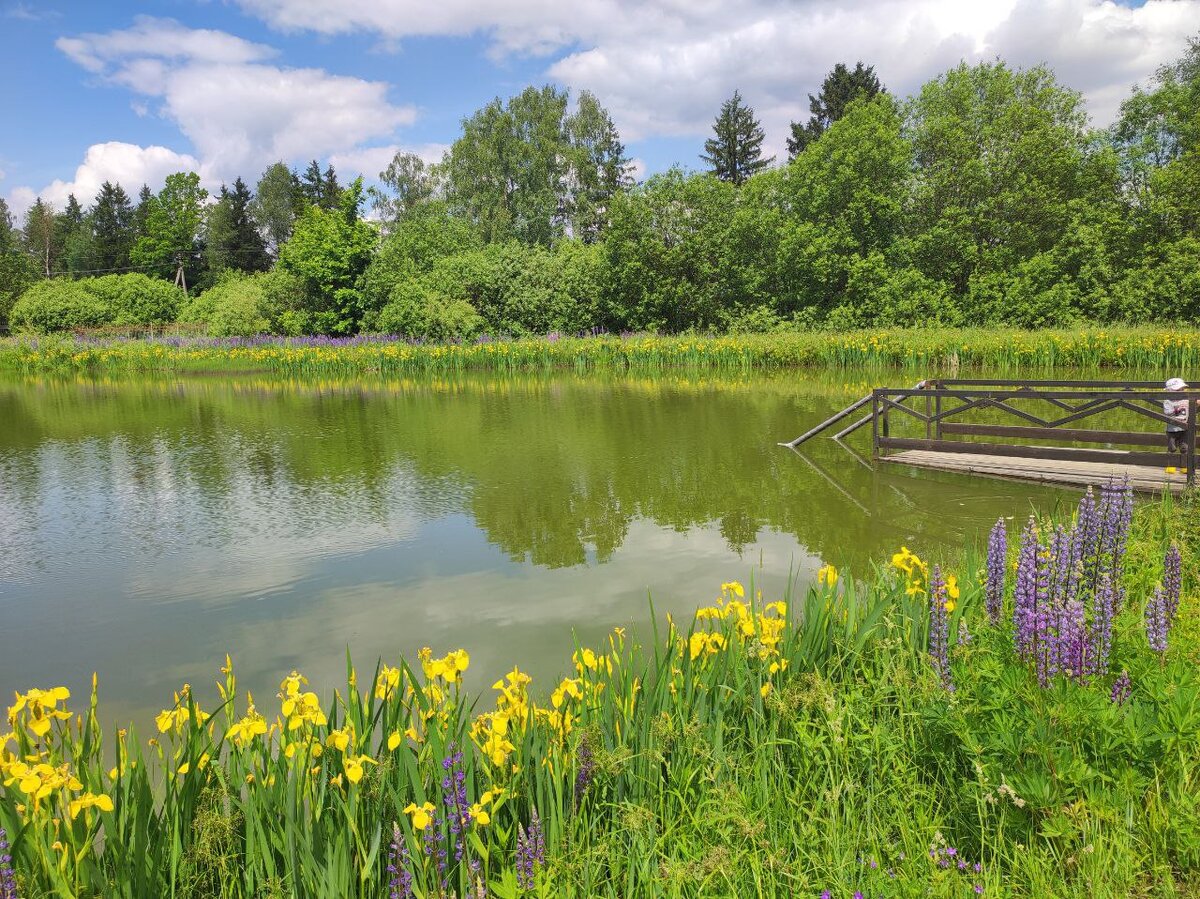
x=400, y=881
x=1172, y=580
x=1072, y=640
x=1121, y=689
x=1103, y=611
x=531, y=852
x=997, y=556
x=1025, y=594
x=587, y=766
x=454, y=797
x=8, y=877
x=939, y=628
x=1043, y=618
x=1087, y=526
x=1158, y=622
x=1116, y=513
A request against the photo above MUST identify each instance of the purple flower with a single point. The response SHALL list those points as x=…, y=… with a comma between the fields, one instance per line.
x=1172, y=579
x=979, y=889
x=454, y=797
x=1121, y=689
x=8, y=878
x=1104, y=609
x=939, y=629
x=825, y=894
x=587, y=766
x=1158, y=622
x=1025, y=594
x=400, y=882
x=531, y=852
x=997, y=556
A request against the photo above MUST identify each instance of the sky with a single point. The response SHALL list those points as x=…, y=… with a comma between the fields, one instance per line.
x=130, y=92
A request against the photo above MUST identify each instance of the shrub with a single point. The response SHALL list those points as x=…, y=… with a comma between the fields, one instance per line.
x=58, y=305
x=414, y=312
x=235, y=307
x=136, y=299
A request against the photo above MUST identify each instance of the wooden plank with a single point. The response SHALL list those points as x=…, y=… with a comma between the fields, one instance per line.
x=1060, y=453
x=1067, y=473
x=1137, y=438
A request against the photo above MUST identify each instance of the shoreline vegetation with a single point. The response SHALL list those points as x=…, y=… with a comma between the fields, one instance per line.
x=945, y=350
x=1024, y=725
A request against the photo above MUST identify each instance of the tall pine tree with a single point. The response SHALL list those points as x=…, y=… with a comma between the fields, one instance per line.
x=735, y=150
x=74, y=237
x=840, y=87
x=112, y=227
x=233, y=237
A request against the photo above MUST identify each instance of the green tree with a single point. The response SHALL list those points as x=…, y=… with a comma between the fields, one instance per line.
x=840, y=87
x=233, y=240
x=734, y=153
x=40, y=237
x=404, y=186
x=74, y=237
x=525, y=170
x=329, y=253
x=174, y=223
x=275, y=204
x=598, y=167
x=112, y=226
x=320, y=189
x=140, y=212
x=1003, y=159
x=17, y=270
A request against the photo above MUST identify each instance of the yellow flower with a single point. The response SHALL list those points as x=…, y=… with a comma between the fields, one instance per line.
x=342, y=738
x=765, y=689
x=40, y=708
x=952, y=587
x=480, y=816
x=89, y=800
x=734, y=589
x=354, y=766
x=949, y=605
x=421, y=815
x=827, y=575
x=387, y=682
x=393, y=740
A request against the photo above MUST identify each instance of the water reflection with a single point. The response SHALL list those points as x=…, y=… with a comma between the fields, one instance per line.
x=149, y=526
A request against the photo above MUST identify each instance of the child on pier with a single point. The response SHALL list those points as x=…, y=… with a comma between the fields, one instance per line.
x=1178, y=411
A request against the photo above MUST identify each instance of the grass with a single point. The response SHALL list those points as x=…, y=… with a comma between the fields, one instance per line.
x=763, y=749
x=1173, y=348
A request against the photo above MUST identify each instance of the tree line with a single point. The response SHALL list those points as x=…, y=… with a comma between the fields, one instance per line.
x=983, y=198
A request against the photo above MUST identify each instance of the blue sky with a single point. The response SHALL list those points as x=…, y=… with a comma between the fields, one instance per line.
x=132, y=91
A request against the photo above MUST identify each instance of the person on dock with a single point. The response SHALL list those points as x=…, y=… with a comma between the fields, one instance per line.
x=1177, y=410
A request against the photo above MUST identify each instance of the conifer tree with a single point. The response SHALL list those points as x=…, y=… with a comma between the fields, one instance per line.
x=111, y=220
x=735, y=151
x=840, y=87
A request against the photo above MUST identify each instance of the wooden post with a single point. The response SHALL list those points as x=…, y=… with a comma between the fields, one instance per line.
x=937, y=411
x=875, y=425
x=928, y=412
x=1191, y=442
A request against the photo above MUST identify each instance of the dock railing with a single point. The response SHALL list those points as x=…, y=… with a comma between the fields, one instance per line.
x=940, y=407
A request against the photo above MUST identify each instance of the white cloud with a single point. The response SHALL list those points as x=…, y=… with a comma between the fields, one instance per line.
x=370, y=161
x=126, y=164
x=239, y=111
x=663, y=68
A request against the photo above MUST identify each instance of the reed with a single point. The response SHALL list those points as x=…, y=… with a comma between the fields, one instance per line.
x=1164, y=348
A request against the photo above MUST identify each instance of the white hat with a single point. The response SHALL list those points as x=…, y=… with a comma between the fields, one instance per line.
x=1176, y=384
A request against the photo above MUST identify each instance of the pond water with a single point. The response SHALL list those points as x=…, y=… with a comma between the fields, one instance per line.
x=147, y=527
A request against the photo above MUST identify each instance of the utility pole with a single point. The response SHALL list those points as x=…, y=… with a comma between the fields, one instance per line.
x=180, y=277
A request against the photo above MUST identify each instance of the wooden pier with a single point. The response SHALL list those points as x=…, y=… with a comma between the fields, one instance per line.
x=1031, y=430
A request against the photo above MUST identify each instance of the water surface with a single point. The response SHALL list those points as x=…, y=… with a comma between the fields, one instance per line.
x=147, y=527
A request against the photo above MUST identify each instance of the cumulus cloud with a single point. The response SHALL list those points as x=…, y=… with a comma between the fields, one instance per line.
x=240, y=111
x=370, y=161
x=664, y=67
x=126, y=164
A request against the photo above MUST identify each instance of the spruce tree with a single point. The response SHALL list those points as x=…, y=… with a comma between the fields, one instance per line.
x=735, y=152
x=73, y=237
x=840, y=87
x=331, y=191
x=233, y=240
x=112, y=227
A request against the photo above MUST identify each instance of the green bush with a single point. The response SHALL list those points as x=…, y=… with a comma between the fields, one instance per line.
x=235, y=307
x=58, y=305
x=414, y=312
x=136, y=299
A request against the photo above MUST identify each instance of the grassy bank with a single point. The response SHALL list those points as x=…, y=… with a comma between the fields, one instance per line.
x=918, y=348
x=912, y=732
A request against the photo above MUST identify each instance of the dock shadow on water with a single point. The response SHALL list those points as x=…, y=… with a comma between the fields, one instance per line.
x=147, y=527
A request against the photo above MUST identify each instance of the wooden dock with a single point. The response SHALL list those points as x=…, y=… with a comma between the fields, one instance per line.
x=1043, y=431
x=1142, y=478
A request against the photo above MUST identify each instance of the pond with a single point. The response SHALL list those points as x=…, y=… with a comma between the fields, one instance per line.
x=148, y=527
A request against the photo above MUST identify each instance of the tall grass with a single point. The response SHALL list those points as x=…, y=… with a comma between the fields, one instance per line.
x=764, y=749
x=926, y=349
